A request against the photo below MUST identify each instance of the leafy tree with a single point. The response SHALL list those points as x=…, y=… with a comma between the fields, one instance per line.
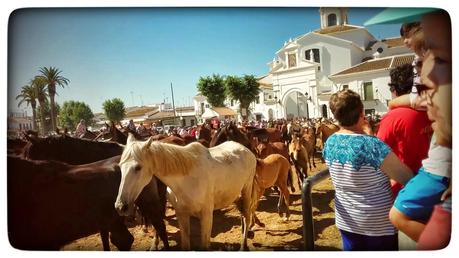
x=52, y=78
x=213, y=88
x=72, y=112
x=114, y=110
x=245, y=90
x=28, y=96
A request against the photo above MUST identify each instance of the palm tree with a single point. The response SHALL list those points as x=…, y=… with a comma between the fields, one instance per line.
x=28, y=96
x=39, y=85
x=52, y=77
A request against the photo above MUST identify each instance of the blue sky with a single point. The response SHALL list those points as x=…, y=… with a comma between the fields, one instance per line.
x=136, y=53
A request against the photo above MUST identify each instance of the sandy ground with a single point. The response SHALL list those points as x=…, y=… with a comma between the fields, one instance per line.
x=226, y=230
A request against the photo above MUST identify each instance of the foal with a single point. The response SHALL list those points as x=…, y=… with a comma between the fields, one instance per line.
x=273, y=171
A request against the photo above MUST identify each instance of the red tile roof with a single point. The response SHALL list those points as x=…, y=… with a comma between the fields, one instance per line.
x=377, y=64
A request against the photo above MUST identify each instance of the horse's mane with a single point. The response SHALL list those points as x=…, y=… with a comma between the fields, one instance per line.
x=166, y=159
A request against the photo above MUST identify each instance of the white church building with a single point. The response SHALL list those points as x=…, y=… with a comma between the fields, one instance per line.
x=307, y=69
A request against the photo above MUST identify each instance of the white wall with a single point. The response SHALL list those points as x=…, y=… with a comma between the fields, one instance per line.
x=381, y=91
x=359, y=36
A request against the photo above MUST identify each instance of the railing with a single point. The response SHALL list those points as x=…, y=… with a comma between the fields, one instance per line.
x=308, y=220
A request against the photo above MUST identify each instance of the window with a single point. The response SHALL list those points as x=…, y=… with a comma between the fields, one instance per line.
x=270, y=96
x=380, y=50
x=291, y=60
x=207, y=106
x=316, y=55
x=345, y=86
x=331, y=19
x=191, y=122
x=257, y=100
x=368, y=91
x=312, y=55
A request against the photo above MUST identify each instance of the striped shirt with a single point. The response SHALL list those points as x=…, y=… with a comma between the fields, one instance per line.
x=363, y=197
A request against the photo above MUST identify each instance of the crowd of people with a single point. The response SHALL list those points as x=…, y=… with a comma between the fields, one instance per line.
x=412, y=148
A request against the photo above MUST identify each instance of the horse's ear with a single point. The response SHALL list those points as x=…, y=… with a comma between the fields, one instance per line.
x=148, y=142
x=130, y=138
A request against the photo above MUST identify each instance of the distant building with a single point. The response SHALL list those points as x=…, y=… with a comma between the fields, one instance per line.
x=303, y=71
x=308, y=69
x=17, y=122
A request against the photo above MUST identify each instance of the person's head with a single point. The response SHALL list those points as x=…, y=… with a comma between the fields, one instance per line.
x=82, y=121
x=347, y=107
x=436, y=74
x=408, y=30
x=401, y=80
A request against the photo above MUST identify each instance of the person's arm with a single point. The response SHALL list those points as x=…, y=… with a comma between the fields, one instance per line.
x=395, y=169
x=400, y=101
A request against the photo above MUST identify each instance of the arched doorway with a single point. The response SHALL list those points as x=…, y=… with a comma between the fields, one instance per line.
x=295, y=104
x=270, y=114
x=324, y=111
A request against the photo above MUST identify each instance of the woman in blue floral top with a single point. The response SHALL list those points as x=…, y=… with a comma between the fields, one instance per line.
x=360, y=167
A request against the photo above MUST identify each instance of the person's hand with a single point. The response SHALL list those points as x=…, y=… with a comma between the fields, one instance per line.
x=446, y=193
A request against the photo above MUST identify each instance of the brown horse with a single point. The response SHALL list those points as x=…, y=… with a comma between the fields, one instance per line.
x=79, y=151
x=299, y=156
x=230, y=132
x=325, y=129
x=308, y=139
x=265, y=149
x=52, y=203
x=273, y=171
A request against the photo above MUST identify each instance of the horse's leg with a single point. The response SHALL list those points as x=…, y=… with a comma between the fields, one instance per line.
x=206, y=227
x=249, y=204
x=105, y=242
x=256, y=221
x=279, y=203
x=184, y=223
x=286, y=198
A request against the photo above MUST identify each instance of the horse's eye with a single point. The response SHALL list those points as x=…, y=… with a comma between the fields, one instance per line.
x=137, y=167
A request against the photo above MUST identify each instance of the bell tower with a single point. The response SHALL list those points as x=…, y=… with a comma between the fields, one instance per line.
x=331, y=16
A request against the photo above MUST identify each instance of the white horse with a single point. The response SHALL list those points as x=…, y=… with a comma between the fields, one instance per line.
x=201, y=179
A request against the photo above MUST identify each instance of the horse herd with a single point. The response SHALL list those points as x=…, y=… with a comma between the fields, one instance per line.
x=62, y=188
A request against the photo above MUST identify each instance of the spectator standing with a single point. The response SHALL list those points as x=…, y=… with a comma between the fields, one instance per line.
x=360, y=167
x=80, y=129
x=405, y=130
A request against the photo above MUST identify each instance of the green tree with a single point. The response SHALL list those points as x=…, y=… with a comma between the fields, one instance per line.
x=28, y=96
x=53, y=78
x=213, y=88
x=245, y=90
x=72, y=112
x=39, y=85
x=114, y=110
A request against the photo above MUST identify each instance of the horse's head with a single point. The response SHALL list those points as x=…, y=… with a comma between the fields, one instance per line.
x=135, y=174
x=295, y=147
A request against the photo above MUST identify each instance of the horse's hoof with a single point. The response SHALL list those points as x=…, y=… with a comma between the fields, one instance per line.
x=251, y=234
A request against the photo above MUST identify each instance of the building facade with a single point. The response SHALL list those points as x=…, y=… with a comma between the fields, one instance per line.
x=302, y=70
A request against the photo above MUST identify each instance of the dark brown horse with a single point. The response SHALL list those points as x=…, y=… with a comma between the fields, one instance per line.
x=79, y=151
x=51, y=203
x=230, y=132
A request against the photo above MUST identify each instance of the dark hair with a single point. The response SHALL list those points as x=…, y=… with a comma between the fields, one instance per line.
x=401, y=79
x=346, y=107
x=408, y=28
